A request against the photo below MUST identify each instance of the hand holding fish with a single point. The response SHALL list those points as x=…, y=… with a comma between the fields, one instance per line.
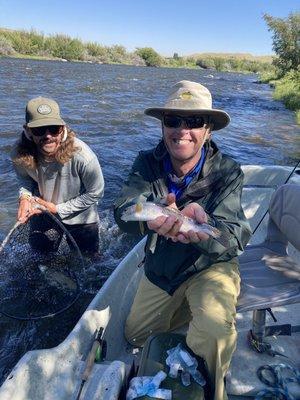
x=165, y=225
x=169, y=226
x=187, y=226
x=195, y=212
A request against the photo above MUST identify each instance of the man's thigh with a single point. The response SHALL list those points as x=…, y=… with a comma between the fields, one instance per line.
x=214, y=292
x=151, y=312
x=212, y=296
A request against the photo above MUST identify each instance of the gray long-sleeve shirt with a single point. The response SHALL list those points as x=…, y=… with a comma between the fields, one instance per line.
x=75, y=187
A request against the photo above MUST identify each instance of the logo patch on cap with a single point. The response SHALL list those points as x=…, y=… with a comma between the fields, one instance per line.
x=186, y=95
x=44, y=109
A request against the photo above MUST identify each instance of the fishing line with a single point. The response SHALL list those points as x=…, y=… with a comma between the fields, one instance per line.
x=266, y=212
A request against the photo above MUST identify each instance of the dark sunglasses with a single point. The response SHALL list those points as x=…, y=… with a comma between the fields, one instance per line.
x=174, y=121
x=41, y=130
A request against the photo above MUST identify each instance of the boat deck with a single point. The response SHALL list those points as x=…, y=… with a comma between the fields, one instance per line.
x=245, y=362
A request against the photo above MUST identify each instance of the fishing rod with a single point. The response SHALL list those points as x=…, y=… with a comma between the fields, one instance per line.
x=98, y=346
x=287, y=179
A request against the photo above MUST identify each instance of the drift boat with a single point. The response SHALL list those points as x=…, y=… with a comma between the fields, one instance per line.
x=56, y=373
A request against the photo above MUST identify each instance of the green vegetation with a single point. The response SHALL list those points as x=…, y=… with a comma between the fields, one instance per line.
x=287, y=89
x=150, y=56
x=282, y=71
x=286, y=75
x=36, y=45
x=223, y=62
x=234, y=62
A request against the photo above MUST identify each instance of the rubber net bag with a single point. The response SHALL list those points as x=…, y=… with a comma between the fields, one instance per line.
x=39, y=265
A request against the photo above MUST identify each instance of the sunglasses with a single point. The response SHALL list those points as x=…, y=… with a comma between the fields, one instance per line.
x=173, y=121
x=41, y=130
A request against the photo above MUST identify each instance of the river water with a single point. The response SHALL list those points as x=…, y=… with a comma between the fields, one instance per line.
x=104, y=105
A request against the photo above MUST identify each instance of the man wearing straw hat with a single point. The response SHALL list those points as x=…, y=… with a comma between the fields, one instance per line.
x=188, y=277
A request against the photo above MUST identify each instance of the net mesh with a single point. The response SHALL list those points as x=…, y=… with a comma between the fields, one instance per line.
x=39, y=263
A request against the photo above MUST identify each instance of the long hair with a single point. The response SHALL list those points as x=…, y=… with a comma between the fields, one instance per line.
x=26, y=154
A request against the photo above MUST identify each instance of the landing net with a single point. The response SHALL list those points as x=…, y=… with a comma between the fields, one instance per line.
x=39, y=264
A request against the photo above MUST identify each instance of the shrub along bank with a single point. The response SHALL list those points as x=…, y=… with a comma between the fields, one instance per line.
x=283, y=71
x=37, y=45
x=285, y=77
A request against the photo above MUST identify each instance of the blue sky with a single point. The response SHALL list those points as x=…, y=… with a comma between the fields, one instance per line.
x=182, y=26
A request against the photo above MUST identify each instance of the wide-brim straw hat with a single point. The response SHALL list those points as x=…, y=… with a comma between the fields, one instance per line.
x=190, y=98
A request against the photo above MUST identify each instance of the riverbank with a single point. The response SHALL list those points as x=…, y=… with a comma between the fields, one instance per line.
x=210, y=62
x=286, y=89
x=37, y=46
x=213, y=62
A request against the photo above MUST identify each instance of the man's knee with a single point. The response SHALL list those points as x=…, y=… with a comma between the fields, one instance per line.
x=133, y=334
x=207, y=330
x=129, y=331
x=139, y=327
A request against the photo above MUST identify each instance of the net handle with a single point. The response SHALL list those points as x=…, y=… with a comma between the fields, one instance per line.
x=3, y=244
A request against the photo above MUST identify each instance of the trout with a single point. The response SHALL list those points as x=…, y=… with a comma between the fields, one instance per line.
x=57, y=278
x=148, y=211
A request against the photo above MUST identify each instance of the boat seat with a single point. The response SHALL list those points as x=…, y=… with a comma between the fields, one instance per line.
x=269, y=276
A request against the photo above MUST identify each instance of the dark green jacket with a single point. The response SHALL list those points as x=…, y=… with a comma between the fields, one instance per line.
x=217, y=189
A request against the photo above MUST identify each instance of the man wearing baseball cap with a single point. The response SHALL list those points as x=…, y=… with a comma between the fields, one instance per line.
x=60, y=172
x=188, y=277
